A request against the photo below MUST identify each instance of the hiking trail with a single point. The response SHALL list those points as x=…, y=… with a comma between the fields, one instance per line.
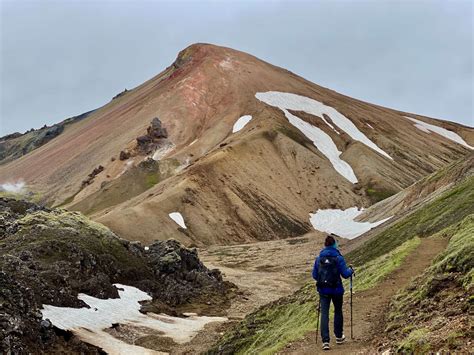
x=370, y=306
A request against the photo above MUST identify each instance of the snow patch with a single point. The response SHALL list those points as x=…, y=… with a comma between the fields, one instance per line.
x=325, y=145
x=341, y=222
x=369, y=125
x=321, y=140
x=427, y=128
x=178, y=218
x=89, y=323
x=161, y=152
x=295, y=102
x=194, y=141
x=13, y=187
x=241, y=122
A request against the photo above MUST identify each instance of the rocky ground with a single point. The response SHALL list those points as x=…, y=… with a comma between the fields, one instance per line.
x=48, y=256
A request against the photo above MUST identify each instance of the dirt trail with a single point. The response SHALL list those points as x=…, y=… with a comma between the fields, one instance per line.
x=263, y=271
x=370, y=306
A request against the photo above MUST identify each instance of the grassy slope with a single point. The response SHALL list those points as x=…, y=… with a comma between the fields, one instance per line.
x=273, y=326
x=442, y=297
x=449, y=208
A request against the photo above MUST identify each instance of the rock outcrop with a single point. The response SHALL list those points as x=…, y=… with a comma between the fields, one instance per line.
x=156, y=134
x=48, y=256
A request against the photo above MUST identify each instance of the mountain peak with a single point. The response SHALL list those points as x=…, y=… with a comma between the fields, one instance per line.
x=348, y=152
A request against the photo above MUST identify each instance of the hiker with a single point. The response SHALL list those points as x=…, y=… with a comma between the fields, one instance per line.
x=328, y=268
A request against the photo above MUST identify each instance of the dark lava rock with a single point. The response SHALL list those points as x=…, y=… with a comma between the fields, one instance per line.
x=92, y=175
x=124, y=155
x=156, y=130
x=156, y=135
x=48, y=256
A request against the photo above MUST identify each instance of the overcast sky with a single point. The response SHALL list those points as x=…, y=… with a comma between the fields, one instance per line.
x=62, y=58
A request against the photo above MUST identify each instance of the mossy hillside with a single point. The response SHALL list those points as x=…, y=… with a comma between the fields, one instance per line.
x=375, y=271
x=273, y=326
x=133, y=182
x=30, y=196
x=416, y=342
x=377, y=195
x=63, y=228
x=451, y=207
x=440, y=296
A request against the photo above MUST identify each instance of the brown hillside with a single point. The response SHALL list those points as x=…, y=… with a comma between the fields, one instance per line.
x=257, y=184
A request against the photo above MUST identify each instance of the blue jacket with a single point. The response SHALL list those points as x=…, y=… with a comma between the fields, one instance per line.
x=344, y=271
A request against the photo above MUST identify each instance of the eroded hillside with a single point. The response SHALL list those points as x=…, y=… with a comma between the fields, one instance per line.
x=246, y=151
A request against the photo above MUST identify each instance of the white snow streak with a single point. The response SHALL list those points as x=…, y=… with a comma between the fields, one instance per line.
x=295, y=102
x=427, y=128
x=241, y=122
x=162, y=151
x=341, y=222
x=369, y=125
x=325, y=145
x=13, y=187
x=322, y=141
x=178, y=218
x=89, y=323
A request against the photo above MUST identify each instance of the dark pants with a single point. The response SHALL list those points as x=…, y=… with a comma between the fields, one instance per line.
x=338, y=317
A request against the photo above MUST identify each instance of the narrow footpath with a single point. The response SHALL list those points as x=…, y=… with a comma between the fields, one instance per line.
x=370, y=306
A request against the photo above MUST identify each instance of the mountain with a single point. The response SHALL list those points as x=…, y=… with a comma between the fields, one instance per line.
x=222, y=147
x=15, y=145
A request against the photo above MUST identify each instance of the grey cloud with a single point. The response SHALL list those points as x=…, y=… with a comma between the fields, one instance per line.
x=61, y=58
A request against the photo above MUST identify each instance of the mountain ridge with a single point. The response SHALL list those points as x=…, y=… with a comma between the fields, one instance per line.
x=198, y=99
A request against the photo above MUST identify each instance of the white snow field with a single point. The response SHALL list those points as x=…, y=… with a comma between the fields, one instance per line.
x=178, y=218
x=89, y=323
x=322, y=141
x=427, y=128
x=341, y=222
x=295, y=102
x=241, y=122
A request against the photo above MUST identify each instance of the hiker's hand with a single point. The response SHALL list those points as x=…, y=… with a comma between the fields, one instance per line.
x=352, y=268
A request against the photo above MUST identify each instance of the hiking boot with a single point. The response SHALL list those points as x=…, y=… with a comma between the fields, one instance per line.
x=325, y=346
x=341, y=340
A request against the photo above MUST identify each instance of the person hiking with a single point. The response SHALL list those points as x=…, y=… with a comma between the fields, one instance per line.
x=328, y=268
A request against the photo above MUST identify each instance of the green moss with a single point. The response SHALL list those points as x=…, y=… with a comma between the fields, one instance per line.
x=459, y=255
x=415, y=342
x=454, y=340
x=373, y=272
x=273, y=326
x=151, y=180
x=451, y=207
x=377, y=195
x=448, y=280
x=66, y=229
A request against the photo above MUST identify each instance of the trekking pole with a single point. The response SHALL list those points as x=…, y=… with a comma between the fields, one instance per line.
x=317, y=320
x=352, y=336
